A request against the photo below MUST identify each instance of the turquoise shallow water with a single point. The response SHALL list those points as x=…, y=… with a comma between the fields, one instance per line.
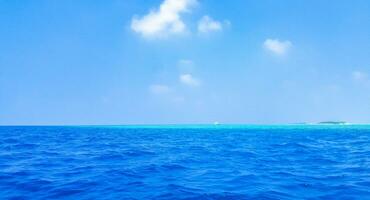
x=185, y=162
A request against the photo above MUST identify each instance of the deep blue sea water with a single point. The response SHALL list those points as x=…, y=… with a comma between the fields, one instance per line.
x=185, y=162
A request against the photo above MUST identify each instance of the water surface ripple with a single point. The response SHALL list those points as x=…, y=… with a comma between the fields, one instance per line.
x=189, y=162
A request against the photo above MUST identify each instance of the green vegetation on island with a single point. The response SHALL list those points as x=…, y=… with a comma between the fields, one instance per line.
x=333, y=122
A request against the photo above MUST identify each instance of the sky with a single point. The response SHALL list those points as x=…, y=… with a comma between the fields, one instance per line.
x=184, y=61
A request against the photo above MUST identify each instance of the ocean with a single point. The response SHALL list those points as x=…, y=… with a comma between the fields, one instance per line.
x=185, y=162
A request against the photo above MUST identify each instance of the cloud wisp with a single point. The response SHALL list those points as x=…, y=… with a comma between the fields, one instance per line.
x=206, y=25
x=360, y=76
x=188, y=79
x=277, y=47
x=159, y=89
x=164, y=21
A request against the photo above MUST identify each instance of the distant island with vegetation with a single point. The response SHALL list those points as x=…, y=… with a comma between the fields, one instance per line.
x=333, y=122
x=324, y=123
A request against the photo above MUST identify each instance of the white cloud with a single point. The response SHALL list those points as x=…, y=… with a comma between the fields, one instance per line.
x=359, y=76
x=164, y=21
x=188, y=79
x=277, y=47
x=206, y=24
x=159, y=89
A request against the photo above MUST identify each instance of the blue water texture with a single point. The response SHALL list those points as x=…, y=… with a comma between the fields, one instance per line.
x=185, y=162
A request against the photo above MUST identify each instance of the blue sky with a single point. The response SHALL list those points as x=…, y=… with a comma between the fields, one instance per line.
x=184, y=61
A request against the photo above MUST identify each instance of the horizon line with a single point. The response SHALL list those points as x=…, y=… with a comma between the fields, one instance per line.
x=190, y=124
